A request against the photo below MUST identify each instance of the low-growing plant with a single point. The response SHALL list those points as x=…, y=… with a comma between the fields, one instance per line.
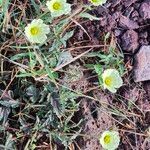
x=40, y=104
x=110, y=140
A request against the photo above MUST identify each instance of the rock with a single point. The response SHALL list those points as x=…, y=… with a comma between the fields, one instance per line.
x=137, y=6
x=116, y=15
x=117, y=32
x=135, y=15
x=130, y=41
x=145, y=10
x=116, y=2
x=111, y=23
x=128, y=3
x=142, y=64
x=143, y=34
x=126, y=23
x=143, y=42
x=103, y=21
x=102, y=11
x=128, y=11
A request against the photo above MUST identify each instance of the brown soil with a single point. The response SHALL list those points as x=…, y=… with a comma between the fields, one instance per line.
x=129, y=22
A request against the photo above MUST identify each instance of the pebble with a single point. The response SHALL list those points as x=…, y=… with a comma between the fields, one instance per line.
x=142, y=64
x=126, y=23
x=145, y=10
x=129, y=41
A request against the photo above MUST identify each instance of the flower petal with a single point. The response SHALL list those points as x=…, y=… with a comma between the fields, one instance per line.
x=36, y=31
x=111, y=80
x=117, y=82
x=64, y=9
x=98, y=2
x=113, y=141
x=111, y=89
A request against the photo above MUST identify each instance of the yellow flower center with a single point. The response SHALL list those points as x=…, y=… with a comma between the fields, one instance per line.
x=94, y=1
x=34, y=30
x=108, y=81
x=107, y=139
x=56, y=6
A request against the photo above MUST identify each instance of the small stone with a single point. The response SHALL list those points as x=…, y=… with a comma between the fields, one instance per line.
x=102, y=11
x=137, y=6
x=141, y=22
x=143, y=42
x=129, y=41
x=117, y=32
x=126, y=23
x=135, y=15
x=111, y=23
x=119, y=8
x=142, y=64
x=103, y=21
x=128, y=3
x=128, y=11
x=116, y=2
x=143, y=35
x=116, y=15
x=145, y=10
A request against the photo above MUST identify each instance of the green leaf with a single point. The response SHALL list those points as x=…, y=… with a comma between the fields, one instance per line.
x=55, y=102
x=98, y=68
x=24, y=75
x=10, y=103
x=4, y=112
x=1, y=2
x=19, y=56
x=50, y=73
x=36, y=7
x=33, y=93
x=88, y=16
x=5, y=5
x=67, y=36
x=9, y=144
x=64, y=57
x=107, y=36
x=55, y=46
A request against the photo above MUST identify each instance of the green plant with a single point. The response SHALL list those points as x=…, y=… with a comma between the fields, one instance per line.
x=37, y=65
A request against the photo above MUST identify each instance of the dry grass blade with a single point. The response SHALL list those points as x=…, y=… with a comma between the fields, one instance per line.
x=74, y=59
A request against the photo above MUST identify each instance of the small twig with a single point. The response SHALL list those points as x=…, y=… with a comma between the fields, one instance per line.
x=11, y=61
x=128, y=131
x=82, y=47
x=73, y=20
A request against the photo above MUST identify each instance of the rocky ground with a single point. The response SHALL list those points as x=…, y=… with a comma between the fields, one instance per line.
x=129, y=22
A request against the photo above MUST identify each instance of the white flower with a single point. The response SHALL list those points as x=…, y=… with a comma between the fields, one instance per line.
x=36, y=31
x=97, y=2
x=110, y=140
x=58, y=7
x=112, y=80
